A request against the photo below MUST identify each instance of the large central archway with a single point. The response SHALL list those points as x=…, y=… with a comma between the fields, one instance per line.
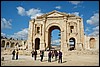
x=49, y=35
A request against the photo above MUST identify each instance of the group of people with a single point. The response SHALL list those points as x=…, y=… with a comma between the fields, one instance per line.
x=15, y=53
x=56, y=54
x=34, y=54
x=51, y=54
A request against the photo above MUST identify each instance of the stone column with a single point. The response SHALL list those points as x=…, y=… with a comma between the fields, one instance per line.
x=62, y=41
x=65, y=35
x=30, y=34
x=78, y=36
x=42, y=45
x=5, y=44
x=68, y=33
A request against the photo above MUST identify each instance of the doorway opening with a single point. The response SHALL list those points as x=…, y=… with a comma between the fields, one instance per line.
x=72, y=44
x=37, y=44
x=54, y=38
x=92, y=43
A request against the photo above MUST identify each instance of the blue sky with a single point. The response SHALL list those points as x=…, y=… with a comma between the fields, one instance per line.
x=15, y=15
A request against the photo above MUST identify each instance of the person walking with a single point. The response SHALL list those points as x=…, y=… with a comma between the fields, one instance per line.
x=32, y=54
x=35, y=54
x=41, y=55
x=56, y=54
x=13, y=53
x=17, y=54
x=52, y=53
x=49, y=56
x=60, y=57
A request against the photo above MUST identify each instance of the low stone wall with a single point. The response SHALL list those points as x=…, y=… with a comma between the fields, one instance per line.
x=83, y=52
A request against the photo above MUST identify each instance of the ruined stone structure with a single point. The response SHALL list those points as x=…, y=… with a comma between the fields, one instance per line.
x=14, y=44
x=39, y=36
x=91, y=43
x=70, y=26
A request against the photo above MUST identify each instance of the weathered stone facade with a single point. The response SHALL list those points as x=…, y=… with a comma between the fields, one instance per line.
x=71, y=27
x=92, y=43
x=14, y=44
x=39, y=35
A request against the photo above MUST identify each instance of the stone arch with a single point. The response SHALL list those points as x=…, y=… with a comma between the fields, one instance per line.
x=37, y=43
x=92, y=42
x=12, y=44
x=3, y=43
x=50, y=28
x=72, y=43
x=54, y=24
x=7, y=45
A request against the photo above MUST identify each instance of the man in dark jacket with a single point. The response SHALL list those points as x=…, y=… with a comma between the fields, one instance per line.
x=60, y=57
x=13, y=53
x=17, y=54
x=56, y=54
x=41, y=55
x=32, y=54
x=35, y=53
x=49, y=56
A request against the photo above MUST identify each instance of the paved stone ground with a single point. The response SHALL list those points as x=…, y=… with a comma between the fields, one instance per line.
x=69, y=60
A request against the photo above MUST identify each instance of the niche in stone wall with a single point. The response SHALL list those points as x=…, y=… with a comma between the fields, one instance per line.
x=73, y=27
x=38, y=30
x=92, y=43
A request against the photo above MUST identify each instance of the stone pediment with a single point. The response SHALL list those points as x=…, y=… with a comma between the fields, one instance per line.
x=53, y=14
x=56, y=14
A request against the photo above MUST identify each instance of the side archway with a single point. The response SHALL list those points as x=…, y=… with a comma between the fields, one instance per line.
x=92, y=42
x=72, y=43
x=37, y=43
x=3, y=43
x=7, y=45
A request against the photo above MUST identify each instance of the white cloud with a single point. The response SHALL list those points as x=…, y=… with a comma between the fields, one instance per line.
x=55, y=42
x=32, y=13
x=3, y=34
x=95, y=31
x=78, y=6
x=96, y=28
x=23, y=34
x=21, y=11
x=76, y=13
x=94, y=20
x=5, y=23
x=87, y=29
x=75, y=2
x=58, y=7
